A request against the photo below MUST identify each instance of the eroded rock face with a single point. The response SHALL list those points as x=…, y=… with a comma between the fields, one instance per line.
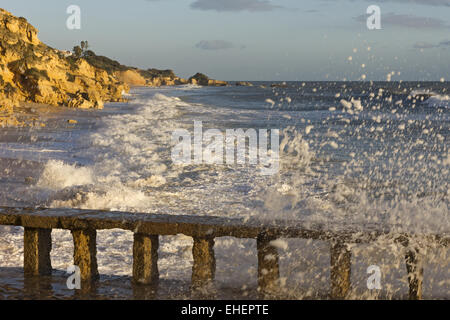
x=203, y=80
x=244, y=84
x=158, y=78
x=136, y=77
x=6, y=109
x=132, y=78
x=30, y=71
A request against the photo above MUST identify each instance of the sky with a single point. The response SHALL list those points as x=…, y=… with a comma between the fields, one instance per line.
x=257, y=40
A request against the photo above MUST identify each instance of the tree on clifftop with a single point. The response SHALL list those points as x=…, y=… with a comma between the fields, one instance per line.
x=77, y=52
x=84, y=46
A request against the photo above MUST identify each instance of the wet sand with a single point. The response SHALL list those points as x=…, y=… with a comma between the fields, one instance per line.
x=35, y=114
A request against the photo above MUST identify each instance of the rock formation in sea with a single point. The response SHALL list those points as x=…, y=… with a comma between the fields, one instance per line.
x=203, y=80
x=244, y=84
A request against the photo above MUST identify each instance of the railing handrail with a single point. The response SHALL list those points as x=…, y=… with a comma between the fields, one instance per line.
x=214, y=226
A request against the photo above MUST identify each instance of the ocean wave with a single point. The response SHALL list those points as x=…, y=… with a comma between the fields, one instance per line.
x=58, y=175
x=442, y=101
x=130, y=155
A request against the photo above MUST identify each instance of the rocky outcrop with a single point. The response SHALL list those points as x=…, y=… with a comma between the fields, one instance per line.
x=131, y=77
x=136, y=77
x=279, y=85
x=157, y=78
x=217, y=83
x=6, y=113
x=203, y=80
x=31, y=71
x=244, y=84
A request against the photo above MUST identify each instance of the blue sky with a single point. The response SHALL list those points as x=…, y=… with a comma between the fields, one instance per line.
x=257, y=39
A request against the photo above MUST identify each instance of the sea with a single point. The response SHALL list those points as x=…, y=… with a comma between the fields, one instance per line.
x=350, y=153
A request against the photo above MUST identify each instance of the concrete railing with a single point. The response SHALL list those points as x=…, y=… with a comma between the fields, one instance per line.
x=38, y=224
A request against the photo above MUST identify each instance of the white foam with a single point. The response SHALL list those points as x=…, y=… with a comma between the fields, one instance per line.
x=59, y=175
x=439, y=101
x=130, y=154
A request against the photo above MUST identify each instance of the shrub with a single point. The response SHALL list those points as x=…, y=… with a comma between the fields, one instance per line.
x=104, y=63
x=155, y=73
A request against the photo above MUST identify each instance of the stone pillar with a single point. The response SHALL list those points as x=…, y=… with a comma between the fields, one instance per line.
x=340, y=270
x=204, y=268
x=36, y=248
x=145, y=258
x=85, y=253
x=268, y=267
x=415, y=274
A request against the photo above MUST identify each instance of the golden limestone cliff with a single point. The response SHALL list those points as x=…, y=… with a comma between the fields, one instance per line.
x=150, y=78
x=31, y=71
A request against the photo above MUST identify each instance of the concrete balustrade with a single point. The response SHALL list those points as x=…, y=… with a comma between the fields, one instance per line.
x=38, y=224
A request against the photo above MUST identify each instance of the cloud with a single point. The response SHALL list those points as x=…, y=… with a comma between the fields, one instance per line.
x=234, y=5
x=426, y=45
x=214, y=45
x=409, y=21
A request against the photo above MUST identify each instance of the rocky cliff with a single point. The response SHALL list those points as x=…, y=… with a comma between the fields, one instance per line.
x=31, y=71
x=150, y=77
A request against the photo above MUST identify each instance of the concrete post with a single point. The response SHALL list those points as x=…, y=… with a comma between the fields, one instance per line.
x=340, y=270
x=36, y=249
x=85, y=253
x=415, y=274
x=145, y=258
x=268, y=266
x=204, y=268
